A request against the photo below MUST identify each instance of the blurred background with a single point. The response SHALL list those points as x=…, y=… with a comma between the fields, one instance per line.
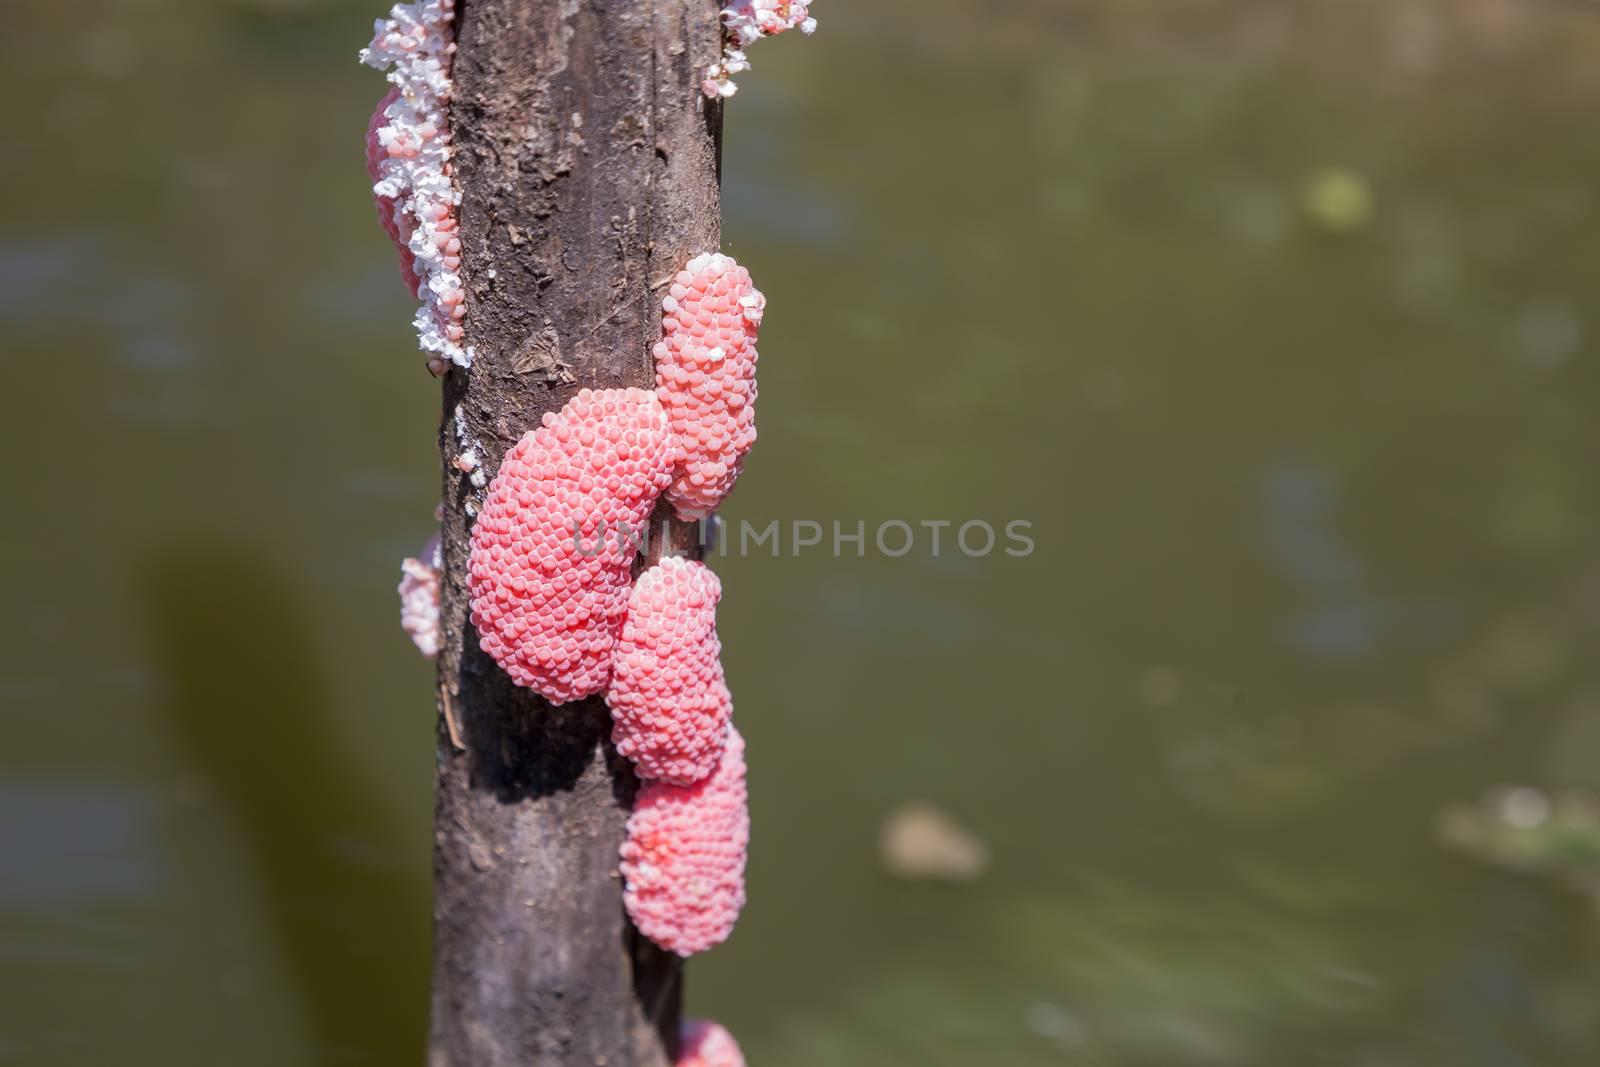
x=1274, y=317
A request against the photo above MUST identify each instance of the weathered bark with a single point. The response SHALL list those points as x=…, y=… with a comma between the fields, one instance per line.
x=588, y=161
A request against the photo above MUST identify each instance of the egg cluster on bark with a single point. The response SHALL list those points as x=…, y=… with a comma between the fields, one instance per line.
x=408, y=155
x=706, y=377
x=670, y=706
x=744, y=22
x=703, y=1043
x=396, y=223
x=684, y=857
x=419, y=598
x=554, y=543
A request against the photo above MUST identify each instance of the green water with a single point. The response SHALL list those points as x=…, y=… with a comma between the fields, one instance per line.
x=1273, y=318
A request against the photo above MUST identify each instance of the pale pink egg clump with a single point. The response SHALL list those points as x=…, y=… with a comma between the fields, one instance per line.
x=396, y=223
x=556, y=536
x=684, y=857
x=706, y=377
x=419, y=598
x=670, y=706
x=409, y=145
x=703, y=1043
x=744, y=22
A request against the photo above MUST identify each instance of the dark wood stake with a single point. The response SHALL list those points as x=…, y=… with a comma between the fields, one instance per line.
x=588, y=161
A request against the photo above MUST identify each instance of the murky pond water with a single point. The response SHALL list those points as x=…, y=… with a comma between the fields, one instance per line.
x=1274, y=320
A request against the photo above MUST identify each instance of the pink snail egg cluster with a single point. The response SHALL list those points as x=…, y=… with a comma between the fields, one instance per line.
x=395, y=222
x=409, y=145
x=555, y=538
x=670, y=706
x=684, y=856
x=703, y=1043
x=744, y=22
x=419, y=599
x=706, y=377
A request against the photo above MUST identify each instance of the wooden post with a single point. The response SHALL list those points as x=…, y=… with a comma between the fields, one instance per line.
x=588, y=161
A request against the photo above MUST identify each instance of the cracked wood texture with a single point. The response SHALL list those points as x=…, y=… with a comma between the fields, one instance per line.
x=588, y=162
